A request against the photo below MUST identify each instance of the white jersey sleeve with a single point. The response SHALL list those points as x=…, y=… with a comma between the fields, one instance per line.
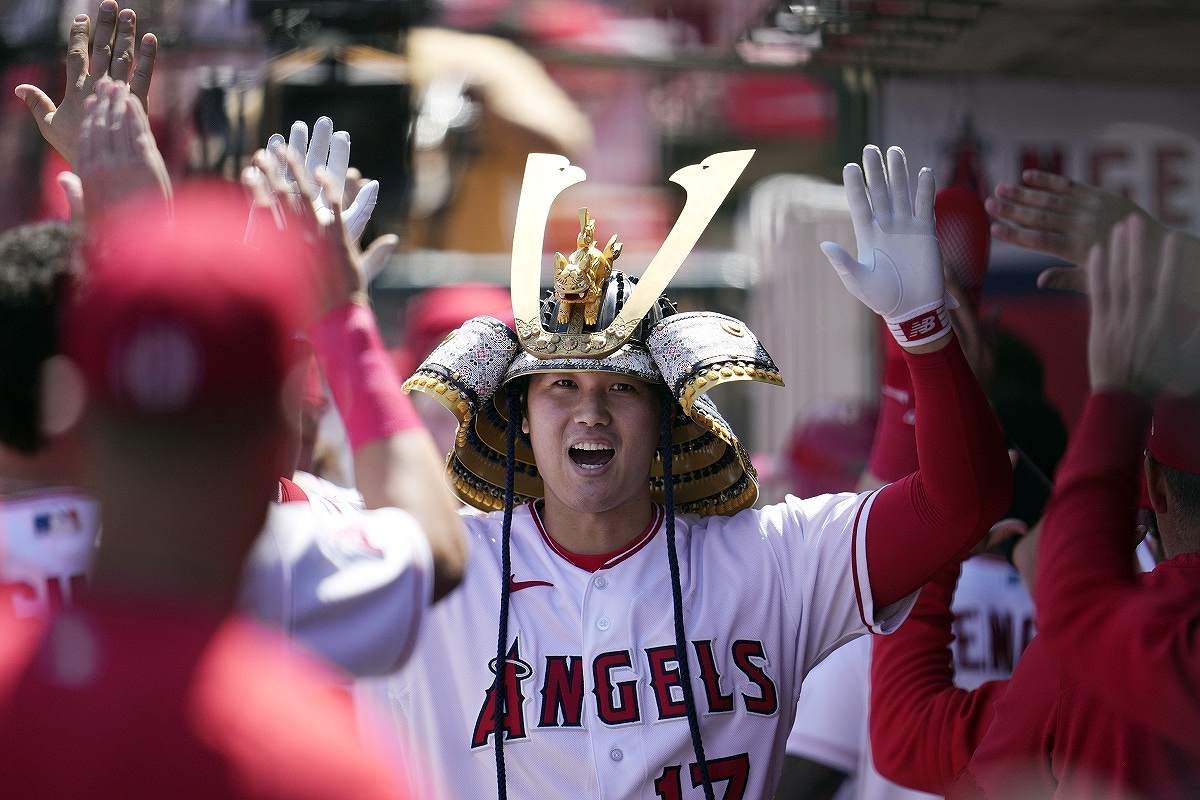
x=351, y=586
x=832, y=709
x=821, y=543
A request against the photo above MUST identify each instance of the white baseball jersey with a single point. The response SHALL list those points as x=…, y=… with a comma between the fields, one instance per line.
x=47, y=541
x=993, y=625
x=350, y=585
x=597, y=709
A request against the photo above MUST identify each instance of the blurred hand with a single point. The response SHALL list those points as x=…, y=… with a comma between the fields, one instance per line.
x=342, y=269
x=112, y=53
x=118, y=157
x=898, y=271
x=331, y=151
x=1060, y=217
x=1143, y=335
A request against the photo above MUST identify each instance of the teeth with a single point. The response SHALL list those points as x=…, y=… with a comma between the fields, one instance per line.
x=591, y=446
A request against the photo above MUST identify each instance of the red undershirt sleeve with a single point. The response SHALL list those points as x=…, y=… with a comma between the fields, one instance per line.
x=1140, y=649
x=924, y=730
x=963, y=483
x=894, y=448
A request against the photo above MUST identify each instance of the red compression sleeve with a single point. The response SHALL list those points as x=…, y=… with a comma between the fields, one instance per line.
x=1138, y=648
x=962, y=486
x=924, y=729
x=894, y=449
x=359, y=370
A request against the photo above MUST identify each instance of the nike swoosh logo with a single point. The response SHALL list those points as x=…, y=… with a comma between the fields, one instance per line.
x=515, y=585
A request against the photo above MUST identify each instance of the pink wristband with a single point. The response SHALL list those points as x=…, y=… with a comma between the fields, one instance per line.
x=366, y=389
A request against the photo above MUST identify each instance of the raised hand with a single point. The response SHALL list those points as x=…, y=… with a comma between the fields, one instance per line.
x=331, y=151
x=343, y=270
x=1055, y=215
x=898, y=272
x=112, y=53
x=118, y=157
x=1143, y=335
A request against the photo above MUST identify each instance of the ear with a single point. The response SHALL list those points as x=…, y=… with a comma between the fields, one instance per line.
x=1156, y=487
x=63, y=396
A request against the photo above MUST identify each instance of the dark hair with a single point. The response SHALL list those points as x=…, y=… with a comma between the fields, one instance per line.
x=37, y=264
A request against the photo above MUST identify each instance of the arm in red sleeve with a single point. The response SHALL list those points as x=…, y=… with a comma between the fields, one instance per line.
x=894, y=448
x=1138, y=648
x=962, y=486
x=924, y=729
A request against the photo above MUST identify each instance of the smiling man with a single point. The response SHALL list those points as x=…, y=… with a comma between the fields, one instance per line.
x=629, y=626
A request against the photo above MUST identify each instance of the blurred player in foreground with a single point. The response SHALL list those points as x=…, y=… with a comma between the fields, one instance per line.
x=48, y=524
x=181, y=346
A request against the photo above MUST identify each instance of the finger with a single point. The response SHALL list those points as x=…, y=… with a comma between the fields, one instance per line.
x=1118, y=253
x=86, y=150
x=122, y=60
x=271, y=175
x=877, y=185
x=277, y=154
x=358, y=214
x=1055, y=244
x=143, y=69
x=38, y=103
x=73, y=189
x=1027, y=216
x=897, y=172
x=339, y=160
x=926, y=192
x=102, y=46
x=856, y=197
x=377, y=256
x=318, y=148
x=306, y=192
x=847, y=267
x=327, y=188
x=77, y=51
x=297, y=145
x=101, y=138
x=1069, y=279
x=127, y=130
x=1051, y=182
x=1141, y=271
x=1036, y=198
x=1097, y=277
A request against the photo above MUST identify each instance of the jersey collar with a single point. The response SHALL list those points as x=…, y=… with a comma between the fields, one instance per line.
x=593, y=562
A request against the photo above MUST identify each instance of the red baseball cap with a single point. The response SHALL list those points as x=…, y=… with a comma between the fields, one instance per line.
x=434, y=313
x=1175, y=433
x=176, y=315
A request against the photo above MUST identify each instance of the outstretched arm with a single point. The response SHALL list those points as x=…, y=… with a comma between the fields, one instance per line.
x=1138, y=647
x=924, y=730
x=396, y=463
x=964, y=481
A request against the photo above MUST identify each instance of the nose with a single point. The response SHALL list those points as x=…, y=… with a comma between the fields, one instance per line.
x=592, y=409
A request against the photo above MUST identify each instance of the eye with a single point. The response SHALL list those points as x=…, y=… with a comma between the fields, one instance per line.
x=564, y=383
x=623, y=387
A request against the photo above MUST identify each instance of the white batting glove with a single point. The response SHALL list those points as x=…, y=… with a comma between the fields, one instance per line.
x=898, y=272
x=331, y=151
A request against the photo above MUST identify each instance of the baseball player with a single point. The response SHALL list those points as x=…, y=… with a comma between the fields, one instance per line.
x=653, y=628
x=48, y=526
x=152, y=684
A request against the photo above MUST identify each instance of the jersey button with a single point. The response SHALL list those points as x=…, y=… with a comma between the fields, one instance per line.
x=601, y=582
x=615, y=754
x=603, y=623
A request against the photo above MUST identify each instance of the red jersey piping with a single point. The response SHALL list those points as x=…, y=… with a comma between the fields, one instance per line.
x=592, y=562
